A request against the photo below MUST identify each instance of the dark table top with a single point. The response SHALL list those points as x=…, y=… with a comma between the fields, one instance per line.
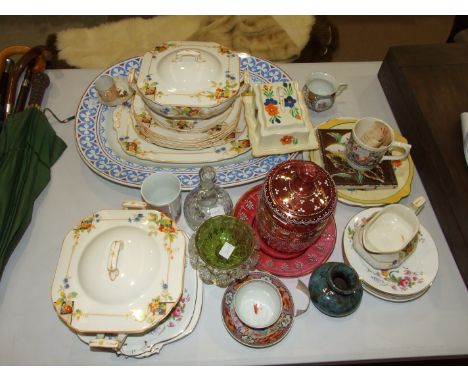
x=427, y=89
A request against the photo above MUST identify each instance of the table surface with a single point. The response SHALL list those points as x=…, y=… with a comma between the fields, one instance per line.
x=31, y=333
x=425, y=86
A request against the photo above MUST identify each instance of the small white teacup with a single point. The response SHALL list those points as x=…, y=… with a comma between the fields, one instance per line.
x=160, y=191
x=320, y=91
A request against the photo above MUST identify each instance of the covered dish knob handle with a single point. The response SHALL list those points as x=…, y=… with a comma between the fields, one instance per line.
x=189, y=53
x=112, y=269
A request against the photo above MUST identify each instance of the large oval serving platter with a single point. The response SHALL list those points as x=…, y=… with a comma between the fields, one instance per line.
x=99, y=149
x=119, y=271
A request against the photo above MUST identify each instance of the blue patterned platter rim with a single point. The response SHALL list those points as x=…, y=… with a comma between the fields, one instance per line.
x=94, y=148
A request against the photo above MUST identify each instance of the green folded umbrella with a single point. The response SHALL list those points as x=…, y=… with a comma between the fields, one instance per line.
x=29, y=147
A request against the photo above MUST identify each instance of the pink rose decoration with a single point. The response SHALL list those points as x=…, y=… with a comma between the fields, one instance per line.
x=176, y=312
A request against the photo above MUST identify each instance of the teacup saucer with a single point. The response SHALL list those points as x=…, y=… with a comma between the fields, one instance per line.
x=404, y=283
x=258, y=338
x=275, y=262
x=387, y=297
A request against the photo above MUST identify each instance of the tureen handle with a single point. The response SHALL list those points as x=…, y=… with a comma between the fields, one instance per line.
x=106, y=343
x=112, y=269
x=189, y=53
x=132, y=78
x=134, y=204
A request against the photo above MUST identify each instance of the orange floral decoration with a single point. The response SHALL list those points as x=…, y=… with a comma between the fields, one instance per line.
x=85, y=225
x=166, y=229
x=223, y=49
x=153, y=307
x=286, y=140
x=272, y=109
x=161, y=48
x=133, y=146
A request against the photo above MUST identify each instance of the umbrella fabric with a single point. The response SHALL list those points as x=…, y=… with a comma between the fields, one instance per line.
x=29, y=147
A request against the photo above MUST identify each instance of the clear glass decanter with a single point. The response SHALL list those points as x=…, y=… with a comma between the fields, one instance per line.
x=206, y=200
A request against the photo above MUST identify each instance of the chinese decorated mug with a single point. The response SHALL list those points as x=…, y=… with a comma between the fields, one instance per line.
x=320, y=91
x=369, y=143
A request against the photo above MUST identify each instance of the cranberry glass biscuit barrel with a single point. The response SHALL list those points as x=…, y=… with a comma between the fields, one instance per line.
x=296, y=202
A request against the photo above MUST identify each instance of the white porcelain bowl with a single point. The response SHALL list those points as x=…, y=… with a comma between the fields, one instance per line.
x=258, y=304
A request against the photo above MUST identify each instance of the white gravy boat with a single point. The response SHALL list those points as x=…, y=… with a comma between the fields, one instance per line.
x=392, y=228
x=390, y=236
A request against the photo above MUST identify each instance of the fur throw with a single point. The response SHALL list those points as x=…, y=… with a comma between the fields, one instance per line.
x=276, y=38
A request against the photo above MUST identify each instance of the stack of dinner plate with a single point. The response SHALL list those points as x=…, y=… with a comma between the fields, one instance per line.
x=185, y=134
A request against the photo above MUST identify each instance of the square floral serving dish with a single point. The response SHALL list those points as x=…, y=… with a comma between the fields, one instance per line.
x=119, y=271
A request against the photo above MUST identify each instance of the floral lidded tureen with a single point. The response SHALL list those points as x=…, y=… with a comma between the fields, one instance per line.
x=193, y=80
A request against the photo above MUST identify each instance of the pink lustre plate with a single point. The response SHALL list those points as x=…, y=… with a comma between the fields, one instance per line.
x=275, y=262
x=258, y=338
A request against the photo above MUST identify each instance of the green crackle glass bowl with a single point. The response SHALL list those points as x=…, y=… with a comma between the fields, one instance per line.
x=211, y=238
